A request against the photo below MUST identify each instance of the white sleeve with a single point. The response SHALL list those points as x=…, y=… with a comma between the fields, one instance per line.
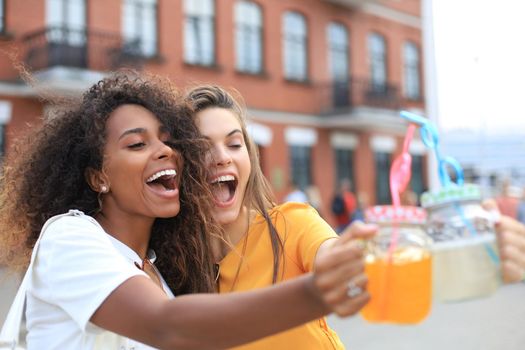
x=77, y=267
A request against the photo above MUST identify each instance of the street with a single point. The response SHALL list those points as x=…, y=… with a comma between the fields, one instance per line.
x=494, y=323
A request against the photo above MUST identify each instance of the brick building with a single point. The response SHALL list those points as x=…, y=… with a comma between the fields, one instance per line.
x=323, y=79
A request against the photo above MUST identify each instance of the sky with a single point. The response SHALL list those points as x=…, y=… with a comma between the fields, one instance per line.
x=480, y=65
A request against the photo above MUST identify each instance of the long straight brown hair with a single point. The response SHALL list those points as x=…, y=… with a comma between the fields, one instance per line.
x=258, y=194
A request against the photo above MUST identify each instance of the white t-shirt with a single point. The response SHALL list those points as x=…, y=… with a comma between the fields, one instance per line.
x=77, y=266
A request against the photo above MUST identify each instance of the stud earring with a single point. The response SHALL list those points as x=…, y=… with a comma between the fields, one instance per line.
x=103, y=188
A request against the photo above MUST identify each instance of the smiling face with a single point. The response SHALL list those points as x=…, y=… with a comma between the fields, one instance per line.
x=139, y=167
x=229, y=162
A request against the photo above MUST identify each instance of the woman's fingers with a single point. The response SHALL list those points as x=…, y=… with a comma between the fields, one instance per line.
x=339, y=271
x=340, y=277
x=338, y=255
x=353, y=297
x=511, y=244
x=512, y=253
x=359, y=230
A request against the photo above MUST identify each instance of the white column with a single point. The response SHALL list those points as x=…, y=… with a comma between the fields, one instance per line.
x=431, y=92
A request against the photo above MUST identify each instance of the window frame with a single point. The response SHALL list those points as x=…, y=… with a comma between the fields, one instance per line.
x=344, y=159
x=256, y=30
x=61, y=28
x=382, y=179
x=129, y=44
x=192, y=20
x=342, y=50
x=294, y=39
x=417, y=180
x=411, y=72
x=3, y=23
x=378, y=69
x=301, y=165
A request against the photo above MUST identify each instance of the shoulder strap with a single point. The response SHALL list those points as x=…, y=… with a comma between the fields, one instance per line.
x=11, y=328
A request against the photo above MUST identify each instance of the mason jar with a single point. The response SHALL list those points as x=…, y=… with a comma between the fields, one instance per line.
x=398, y=264
x=466, y=264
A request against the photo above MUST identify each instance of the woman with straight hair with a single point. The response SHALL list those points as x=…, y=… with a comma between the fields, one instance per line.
x=266, y=243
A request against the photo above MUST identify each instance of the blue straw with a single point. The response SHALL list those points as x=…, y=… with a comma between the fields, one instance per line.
x=490, y=251
x=430, y=137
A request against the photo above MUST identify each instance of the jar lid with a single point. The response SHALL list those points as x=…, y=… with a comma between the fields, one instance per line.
x=389, y=213
x=449, y=194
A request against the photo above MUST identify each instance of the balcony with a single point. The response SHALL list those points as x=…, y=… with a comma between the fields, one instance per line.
x=352, y=3
x=342, y=96
x=360, y=103
x=71, y=57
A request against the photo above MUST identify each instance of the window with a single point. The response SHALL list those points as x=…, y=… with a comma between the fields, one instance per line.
x=377, y=55
x=344, y=160
x=199, y=40
x=338, y=51
x=6, y=109
x=248, y=37
x=301, y=163
x=66, y=34
x=139, y=27
x=294, y=46
x=337, y=38
x=2, y=141
x=411, y=71
x=2, y=16
x=382, y=163
x=66, y=20
x=417, y=183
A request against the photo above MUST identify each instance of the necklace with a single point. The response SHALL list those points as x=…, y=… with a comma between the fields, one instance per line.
x=151, y=271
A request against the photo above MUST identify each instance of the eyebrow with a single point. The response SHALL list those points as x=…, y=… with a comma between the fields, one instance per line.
x=162, y=129
x=132, y=131
x=234, y=131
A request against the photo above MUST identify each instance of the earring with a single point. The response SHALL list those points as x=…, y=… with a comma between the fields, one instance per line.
x=103, y=188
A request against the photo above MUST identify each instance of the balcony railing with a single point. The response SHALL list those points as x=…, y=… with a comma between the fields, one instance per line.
x=79, y=48
x=352, y=3
x=343, y=95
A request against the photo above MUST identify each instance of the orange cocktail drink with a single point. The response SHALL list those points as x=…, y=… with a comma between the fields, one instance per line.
x=398, y=265
x=400, y=287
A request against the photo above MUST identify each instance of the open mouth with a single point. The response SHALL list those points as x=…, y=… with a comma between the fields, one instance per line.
x=223, y=188
x=163, y=180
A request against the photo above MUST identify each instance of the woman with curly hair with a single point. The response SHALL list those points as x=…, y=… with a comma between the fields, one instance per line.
x=126, y=165
x=266, y=243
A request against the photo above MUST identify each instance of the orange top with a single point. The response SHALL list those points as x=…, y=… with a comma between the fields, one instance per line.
x=302, y=230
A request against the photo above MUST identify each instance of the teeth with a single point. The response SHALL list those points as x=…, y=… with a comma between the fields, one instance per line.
x=223, y=179
x=170, y=172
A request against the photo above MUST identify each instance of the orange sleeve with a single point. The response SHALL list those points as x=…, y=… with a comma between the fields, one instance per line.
x=304, y=232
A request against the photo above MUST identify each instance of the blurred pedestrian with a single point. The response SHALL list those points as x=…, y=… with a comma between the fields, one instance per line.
x=295, y=194
x=343, y=204
x=362, y=204
x=314, y=198
x=409, y=198
x=521, y=208
x=508, y=199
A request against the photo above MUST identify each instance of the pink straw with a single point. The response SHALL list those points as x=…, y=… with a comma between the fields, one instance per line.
x=400, y=173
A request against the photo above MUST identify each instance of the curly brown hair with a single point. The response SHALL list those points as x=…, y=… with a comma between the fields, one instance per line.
x=45, y=176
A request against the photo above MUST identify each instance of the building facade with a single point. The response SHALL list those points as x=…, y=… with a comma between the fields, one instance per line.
x=323, y=80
